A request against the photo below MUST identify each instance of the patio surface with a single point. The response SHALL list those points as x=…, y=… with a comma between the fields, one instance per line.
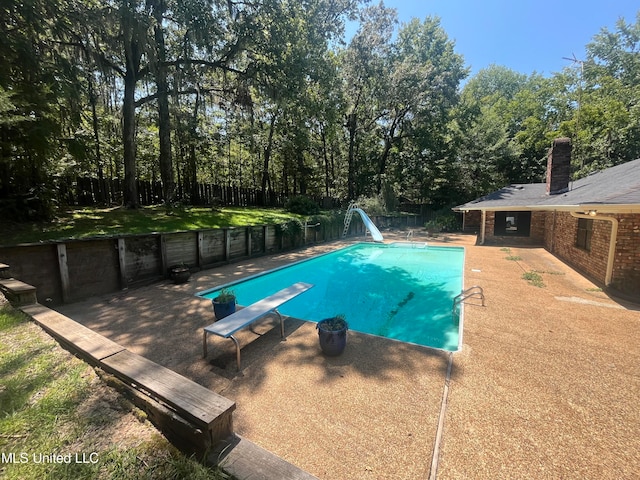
x=547, y=384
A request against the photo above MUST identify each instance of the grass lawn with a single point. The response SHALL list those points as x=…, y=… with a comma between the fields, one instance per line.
x=59, y=421
x=92, y=222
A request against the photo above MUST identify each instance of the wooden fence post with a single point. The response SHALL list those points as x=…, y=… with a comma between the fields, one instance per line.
x=64, y=271
x=122, y=263
x=227, y=244
x=200, y=248
x=163, y=255
x=265, y=231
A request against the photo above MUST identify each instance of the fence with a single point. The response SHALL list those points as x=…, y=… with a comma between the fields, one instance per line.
x=87, y=191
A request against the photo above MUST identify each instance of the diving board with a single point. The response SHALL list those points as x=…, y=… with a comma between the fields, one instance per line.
x=227, y=326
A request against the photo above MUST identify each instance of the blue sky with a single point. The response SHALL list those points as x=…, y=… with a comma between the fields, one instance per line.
x=523, y=35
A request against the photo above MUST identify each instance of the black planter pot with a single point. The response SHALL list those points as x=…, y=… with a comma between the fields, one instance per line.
x=223, y=309
x=179, y=274
x=332, y=341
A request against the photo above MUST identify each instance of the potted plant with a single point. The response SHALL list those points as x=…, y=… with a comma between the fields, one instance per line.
x=332, y=333
x=224, y=304
x=179, y=273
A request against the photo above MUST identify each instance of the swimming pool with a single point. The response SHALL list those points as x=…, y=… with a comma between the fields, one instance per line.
x=402, y=291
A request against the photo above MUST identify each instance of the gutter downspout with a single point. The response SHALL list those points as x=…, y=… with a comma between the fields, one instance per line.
x=612, y=242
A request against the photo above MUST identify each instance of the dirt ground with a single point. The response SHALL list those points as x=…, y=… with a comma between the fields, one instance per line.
x=546, y=385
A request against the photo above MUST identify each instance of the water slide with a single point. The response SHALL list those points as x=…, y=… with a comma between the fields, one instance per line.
x=375, y=233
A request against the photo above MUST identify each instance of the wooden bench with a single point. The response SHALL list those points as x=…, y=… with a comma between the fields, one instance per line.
x=247, y=316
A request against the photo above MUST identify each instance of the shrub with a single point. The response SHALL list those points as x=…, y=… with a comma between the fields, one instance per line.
x=372, y=205
x=302, y=205
x=290, y=229
x=443, y=221
x=326, y=220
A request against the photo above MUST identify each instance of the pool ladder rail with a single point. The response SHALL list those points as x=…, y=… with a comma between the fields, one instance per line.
x=472, y=292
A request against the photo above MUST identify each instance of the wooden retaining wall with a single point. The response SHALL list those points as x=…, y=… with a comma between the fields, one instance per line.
x=72, y=270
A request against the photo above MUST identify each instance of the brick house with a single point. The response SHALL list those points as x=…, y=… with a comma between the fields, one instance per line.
x=592, y=224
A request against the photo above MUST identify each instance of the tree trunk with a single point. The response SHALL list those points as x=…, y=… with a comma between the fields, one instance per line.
x=193, y=164
x=382, y=163
x=267, y=158
x=326, y=162
x=102, y=191
x=164, y=121
x=128, y=135
x=389, y=139
x=96, y=133
x=352, y=126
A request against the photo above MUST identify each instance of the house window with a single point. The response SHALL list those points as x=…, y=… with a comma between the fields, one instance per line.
x=515, y=224
x=585, y=232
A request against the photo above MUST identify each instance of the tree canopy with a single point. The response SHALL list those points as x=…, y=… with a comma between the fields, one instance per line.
x=269, y=95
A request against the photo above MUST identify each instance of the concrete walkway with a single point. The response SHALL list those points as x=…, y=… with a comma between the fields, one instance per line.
x=547, y=384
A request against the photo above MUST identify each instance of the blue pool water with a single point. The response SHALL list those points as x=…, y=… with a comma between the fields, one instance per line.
x=399, y=291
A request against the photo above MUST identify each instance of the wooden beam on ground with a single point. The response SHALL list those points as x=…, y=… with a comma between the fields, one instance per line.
x=196, y=403
x=89, y=344
x=18, y=293
x=244, y=459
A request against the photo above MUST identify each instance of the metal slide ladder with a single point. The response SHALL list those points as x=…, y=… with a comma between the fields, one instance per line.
x=347, y=218
x=472, y=292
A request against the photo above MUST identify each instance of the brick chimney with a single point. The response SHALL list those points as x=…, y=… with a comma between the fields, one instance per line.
x=559, y=166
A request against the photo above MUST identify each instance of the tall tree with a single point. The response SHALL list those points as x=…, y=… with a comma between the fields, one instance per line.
x=608, y=120
x=503, y=129
x=159, y=10
x=40, y=101
x=291, y=45
x=425, y=73
x=363, y=66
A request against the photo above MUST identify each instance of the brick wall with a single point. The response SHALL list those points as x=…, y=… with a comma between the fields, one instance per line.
x=626, y=268
x=560, y=239
x=557, y=232
x=472, y=221
x=536, y=235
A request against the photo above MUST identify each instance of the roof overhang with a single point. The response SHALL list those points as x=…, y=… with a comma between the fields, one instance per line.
x=586, y=207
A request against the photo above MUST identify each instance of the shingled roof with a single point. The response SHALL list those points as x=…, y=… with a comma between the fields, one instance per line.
x=614, y=189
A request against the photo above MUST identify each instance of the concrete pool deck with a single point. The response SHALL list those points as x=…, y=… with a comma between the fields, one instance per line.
x=547, y=384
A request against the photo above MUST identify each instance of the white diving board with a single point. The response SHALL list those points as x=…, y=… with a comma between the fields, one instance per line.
x=245, y=317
